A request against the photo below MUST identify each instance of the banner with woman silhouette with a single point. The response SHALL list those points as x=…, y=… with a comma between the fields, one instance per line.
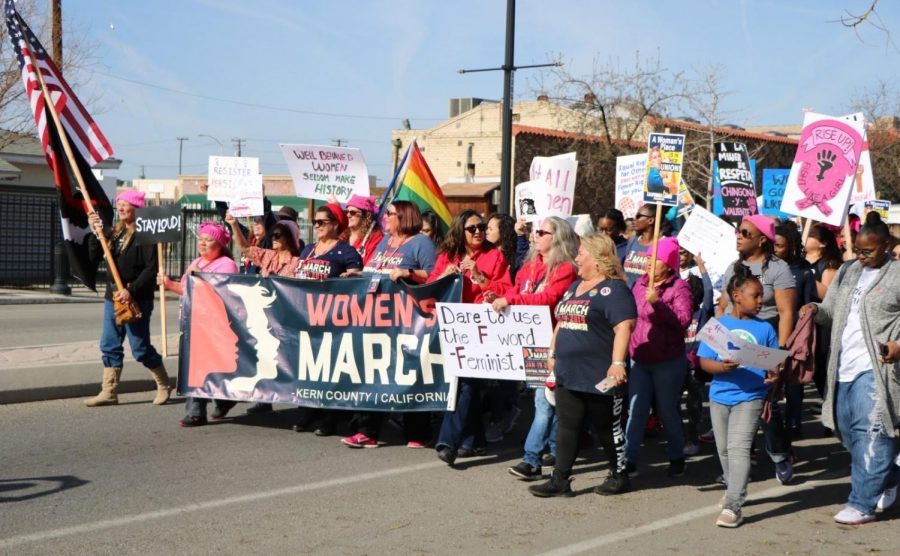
x=348, y=343
x=824, y=167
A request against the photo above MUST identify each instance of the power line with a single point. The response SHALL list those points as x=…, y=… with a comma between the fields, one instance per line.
x=262, y=106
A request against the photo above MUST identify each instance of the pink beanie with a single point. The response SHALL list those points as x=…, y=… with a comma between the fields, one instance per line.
x=764, y=224
x=362, y=203
x=667, y=252
x=132, y=197
x=216, y=231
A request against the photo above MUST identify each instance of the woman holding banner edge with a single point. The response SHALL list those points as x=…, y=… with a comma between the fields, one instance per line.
x=484, y=269
x=545, y=277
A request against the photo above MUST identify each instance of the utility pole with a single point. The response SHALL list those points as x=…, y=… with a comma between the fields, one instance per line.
x=181, y=141
x=56, y=37
x=238, y=141
x=143, y=174
x=508, y=69
x=339, y=142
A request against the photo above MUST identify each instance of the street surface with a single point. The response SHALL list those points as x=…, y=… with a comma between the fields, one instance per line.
x=128, y=480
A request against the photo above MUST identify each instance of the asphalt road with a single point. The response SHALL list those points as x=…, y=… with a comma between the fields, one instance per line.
x=128, y=480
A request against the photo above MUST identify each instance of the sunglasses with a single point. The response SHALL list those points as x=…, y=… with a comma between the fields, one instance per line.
x=865, y=253
x=476, y=228
x=639, y=215
x=317, y=222
x=354, y=213
x=277, y=235
x=744, y=233
x=542, y=233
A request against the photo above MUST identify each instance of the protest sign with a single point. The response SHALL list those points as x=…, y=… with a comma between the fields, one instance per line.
x=228, y=174
x=479, y=342
x=712, y=238
x=685, y=200
x=824, y=168
x=526, y=202
x=735, y=179
x=665, y=152
x=883, y=208
x=160, y=224
x=320, y=171
x=630, y=177
x=734, y=347
x=864, y=180
x=335, y=343
x=774, y=181
x=553, y=184
x=248, y=198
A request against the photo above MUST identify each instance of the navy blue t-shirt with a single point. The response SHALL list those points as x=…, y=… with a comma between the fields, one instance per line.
x=331, y=264
x=584, y=341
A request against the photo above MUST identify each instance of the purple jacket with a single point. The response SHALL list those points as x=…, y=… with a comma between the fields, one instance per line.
x=659, y=331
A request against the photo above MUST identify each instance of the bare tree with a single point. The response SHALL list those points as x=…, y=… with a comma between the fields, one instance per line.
x=881, y=104
x=868, y=18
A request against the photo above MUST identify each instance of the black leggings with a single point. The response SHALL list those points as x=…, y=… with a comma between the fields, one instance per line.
x=605, y=414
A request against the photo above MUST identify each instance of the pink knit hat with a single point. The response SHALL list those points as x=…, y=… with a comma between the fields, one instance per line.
x=362, y=203
x=133, y=197
x=216, y=231
x=764, y=224
x=667, y=252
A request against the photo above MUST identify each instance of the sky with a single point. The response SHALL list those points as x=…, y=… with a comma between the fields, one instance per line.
x=312, y=71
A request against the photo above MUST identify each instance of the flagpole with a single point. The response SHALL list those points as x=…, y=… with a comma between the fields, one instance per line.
x=162, y=293
x=48, y=102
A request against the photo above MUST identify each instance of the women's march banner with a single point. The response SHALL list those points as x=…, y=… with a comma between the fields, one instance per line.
x=350, y=343
x=824, y=169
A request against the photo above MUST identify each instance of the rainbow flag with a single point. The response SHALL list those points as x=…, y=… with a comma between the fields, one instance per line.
x=419, y=187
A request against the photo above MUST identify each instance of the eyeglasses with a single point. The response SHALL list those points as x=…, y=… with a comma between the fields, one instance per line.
x=865, y=253
x=744, y=233
x=276, y=235
x=354, y=213
x=317, y=223
x=639, y=215
x=476, y=228
x=542, y=233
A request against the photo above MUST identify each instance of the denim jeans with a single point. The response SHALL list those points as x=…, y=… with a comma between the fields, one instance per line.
x=466, y=420
x=542, y=432
x=872, y=449
x=734, y=428
x=138, y=333
x=778, y=442
x=660, y=381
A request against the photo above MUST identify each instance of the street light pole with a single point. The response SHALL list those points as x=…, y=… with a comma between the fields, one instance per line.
x=221, y=146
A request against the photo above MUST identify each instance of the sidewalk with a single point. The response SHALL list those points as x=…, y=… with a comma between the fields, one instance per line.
x=11, y=296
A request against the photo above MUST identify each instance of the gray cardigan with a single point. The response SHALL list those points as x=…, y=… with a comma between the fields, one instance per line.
x=879, y=316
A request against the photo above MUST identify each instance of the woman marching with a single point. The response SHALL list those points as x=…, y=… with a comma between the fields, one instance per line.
x=590, y=343
x=363, y=232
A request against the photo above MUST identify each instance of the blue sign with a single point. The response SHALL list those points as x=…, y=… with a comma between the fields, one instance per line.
x=774, y=182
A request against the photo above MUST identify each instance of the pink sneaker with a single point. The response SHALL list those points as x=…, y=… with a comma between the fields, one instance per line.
x=360, y=440
x=414, y=445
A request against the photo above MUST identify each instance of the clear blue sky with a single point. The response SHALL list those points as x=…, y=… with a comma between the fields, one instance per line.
x=389, y=60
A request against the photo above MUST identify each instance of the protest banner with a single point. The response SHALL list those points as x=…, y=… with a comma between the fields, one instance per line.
x=348, y=343
x=248, y=198
x=665, y=152
x=526, y=202
x=733, y=347
x=774, y=181
x=712, y=238
x=864, y=181
x=228, y=174
x=160, y=224
x=478, y=342
x=883, y=208
x=735, y=179
x=321, y=171
x=824, y=168
x=630, y=177
x=553, y=184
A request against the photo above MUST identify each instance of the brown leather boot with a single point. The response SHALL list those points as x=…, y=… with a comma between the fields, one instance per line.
x=108, y=387
x=162, y=385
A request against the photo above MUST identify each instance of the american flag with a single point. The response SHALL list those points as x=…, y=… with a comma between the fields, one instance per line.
x=87, y=141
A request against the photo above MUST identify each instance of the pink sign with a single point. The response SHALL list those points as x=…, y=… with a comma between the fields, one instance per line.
x=828, y=153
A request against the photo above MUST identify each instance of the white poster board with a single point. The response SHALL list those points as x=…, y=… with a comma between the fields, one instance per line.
x=228, y=174
x=734, y=348
x=630, y=172
x=526, y=202
x=248, y=198
x=711, y=237
x=864, y=180
x=320, y=171
x=478, y=342
x=553, y=183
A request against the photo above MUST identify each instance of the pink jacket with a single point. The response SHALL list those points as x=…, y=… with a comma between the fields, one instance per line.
x=659, y=331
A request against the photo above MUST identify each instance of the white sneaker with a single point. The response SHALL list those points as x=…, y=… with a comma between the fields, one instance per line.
x=691, y=449
x=887, y=498
x=852, y=516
